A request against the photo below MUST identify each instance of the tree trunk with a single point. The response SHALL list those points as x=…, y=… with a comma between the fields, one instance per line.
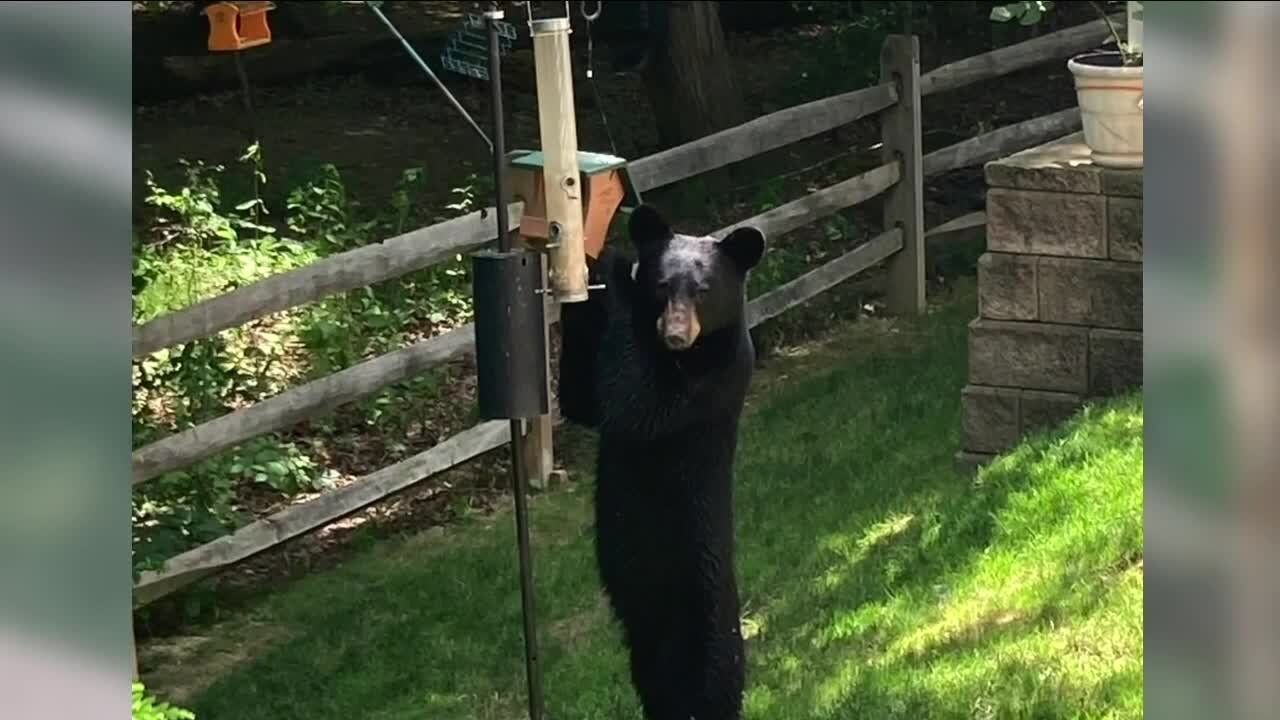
x=690, y=80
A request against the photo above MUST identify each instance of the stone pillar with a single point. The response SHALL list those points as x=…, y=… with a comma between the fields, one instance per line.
x=1059, y=295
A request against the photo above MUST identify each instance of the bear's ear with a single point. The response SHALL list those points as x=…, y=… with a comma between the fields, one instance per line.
x=647, y=226
x=745, y=246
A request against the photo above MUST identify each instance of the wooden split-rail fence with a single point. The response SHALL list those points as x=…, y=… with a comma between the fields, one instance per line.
x=896, y=101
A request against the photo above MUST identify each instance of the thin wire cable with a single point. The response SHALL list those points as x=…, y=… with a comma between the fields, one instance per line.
x=422, y=64
x=595, y=92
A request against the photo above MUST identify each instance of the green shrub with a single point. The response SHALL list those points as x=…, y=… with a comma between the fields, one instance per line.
x=147, y=707
x=198, y=242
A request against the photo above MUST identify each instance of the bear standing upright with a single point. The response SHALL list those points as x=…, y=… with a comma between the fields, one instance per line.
x=659, y=362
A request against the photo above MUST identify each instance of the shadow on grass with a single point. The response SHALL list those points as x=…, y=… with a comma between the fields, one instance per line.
x=876, y=581
x=909, y=592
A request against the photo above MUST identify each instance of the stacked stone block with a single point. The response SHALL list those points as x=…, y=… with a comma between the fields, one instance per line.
x=1059, y=295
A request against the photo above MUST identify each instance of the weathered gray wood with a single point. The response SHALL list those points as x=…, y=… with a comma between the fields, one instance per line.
x=321, y=396
x=539, y=437
x=960, y=224
x=297, y=404
x=291, y=522
x=934, y=239
x=421, y=248
x=353, y=269
x=1057, y=45
x=269, y=532
x=999, y=143
x=817, y=205
x=326, y=394
x=426, y=246
x=758, y=136
x=306, y=401
x=901, y=130
x=815, y=282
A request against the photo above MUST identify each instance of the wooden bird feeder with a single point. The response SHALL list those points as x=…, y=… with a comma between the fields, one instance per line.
x=605, y=184
x=238, y=25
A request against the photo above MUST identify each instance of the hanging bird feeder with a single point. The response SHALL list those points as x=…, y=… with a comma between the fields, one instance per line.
x=235, y=26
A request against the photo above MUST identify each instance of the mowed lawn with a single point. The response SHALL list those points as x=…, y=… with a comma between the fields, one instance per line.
x=877, y=582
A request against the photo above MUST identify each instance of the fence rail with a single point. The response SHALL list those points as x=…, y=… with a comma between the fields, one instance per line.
x=817, y=281
x=268, y=532
x=345, y=271
x=359, y=381
x=821, y=203
x=416, y=250
x=1002, y=142
x=297, y=404
x=287, y=524
x=961, y=224
x=1006, y=60
x=759, y=136
x=424, y=247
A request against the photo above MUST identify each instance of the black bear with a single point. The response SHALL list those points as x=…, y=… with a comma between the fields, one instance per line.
x=659, y=362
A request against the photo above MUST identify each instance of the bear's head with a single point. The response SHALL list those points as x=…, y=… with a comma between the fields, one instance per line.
x=691, y=286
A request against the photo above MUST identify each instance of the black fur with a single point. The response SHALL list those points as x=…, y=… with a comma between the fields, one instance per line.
x=668, y=426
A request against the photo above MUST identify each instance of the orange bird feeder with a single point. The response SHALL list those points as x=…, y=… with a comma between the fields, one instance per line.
x=238, y=25
x=605, y=184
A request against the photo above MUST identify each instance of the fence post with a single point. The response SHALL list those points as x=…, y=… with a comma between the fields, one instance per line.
x=904, y=202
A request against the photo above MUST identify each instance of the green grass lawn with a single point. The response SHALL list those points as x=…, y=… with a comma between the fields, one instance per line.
x=877, y=582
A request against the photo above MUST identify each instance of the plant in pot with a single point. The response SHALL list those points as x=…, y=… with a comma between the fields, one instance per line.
x=1108, y=83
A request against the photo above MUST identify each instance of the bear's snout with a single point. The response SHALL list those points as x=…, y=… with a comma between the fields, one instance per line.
x=678, y=325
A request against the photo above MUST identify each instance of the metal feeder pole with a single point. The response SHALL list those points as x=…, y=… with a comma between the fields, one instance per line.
x=519, y=474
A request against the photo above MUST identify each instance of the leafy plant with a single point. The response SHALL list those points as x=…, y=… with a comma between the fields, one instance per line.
x=253, y=156
x=187, y=507
x=320, y=212
x=1026, y=13
x=191, y=215
x=1030, y=12
x=153, y=6
x=402, y=197
x=147, y=707
x=194, y=247
x=846, y=54
x=199, y=243
x=199, y=247
x=281, y=466
x=769, y=195
x=476, y=187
